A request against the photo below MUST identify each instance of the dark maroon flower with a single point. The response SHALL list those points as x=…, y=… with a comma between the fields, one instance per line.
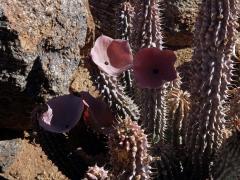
x=63, y=113
x=113, y=56
x=152, y=66
x=96, y=114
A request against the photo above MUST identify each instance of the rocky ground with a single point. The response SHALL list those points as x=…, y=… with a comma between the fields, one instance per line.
x=32, y=163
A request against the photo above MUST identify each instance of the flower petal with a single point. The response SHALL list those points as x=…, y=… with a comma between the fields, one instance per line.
x=63, y=113
x=152, y=66
x=98, y=114
x=112, y=56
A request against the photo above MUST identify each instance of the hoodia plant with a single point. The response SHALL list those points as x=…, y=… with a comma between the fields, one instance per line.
x=155, y=129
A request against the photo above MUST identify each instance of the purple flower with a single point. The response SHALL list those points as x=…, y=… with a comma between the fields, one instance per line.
x=97, y=114
x=63, y=113
x=152, y=66
x=112, y=56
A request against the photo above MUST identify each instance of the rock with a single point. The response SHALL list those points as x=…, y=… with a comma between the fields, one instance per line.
x=179, y=18
x=82, y=82
x=10, y=145
x=184, y=66
x=8, y=151
x=41, y=43
x=104, y=12
x=183, y=55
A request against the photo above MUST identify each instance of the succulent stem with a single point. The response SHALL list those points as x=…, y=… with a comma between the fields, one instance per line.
x=214, y=42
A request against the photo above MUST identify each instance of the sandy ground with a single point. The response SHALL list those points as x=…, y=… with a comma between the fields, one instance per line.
x=32, y=163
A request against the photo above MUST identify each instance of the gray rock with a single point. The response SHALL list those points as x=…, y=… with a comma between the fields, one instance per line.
x=179, y=18
x=8, y=152
x=40, y=46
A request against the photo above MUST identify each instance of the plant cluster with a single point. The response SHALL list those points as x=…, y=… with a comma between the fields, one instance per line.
x=154, y=128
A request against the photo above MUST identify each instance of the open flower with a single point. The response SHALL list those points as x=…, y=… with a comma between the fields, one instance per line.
x=96, y=114
x=63, y=113
x=112, y=56
x=152, y=66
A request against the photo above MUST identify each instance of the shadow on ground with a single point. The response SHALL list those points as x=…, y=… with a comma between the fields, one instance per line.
x=72, y=153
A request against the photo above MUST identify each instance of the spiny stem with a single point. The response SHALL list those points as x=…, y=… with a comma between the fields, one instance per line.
x=214, y=40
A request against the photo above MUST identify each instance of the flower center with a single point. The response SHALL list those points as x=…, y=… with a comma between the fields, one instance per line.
x=66, y=126
x=155, y=71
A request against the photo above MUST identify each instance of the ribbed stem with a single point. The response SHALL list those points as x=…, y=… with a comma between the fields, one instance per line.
x=113, y=94
x=214, y=40
x=129, y=146
x=113, y=18
x=227, y=165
